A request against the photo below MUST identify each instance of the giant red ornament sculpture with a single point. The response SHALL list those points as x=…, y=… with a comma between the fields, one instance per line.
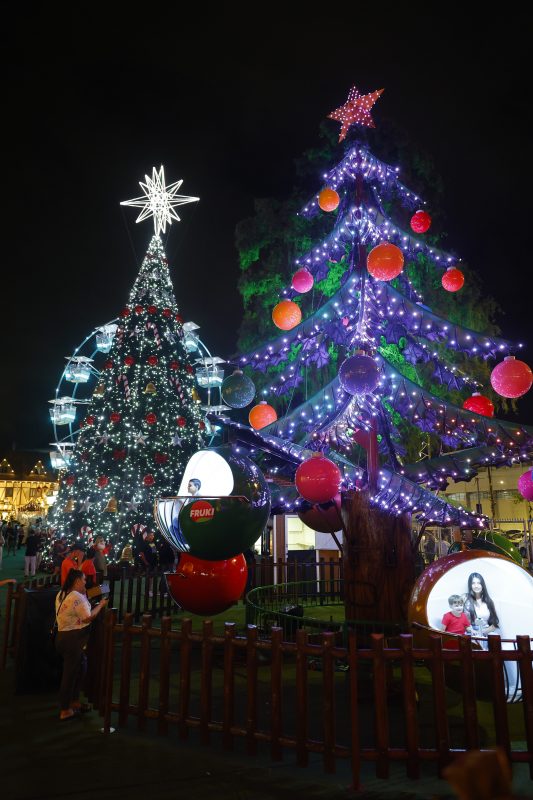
x=453, y=279
x=318, y=479
x=323, y=517
x=420, y=222
x=286, y=315
x=207, y=587
x=328, y=200
x=511, y=378
x=479, y=404
x=385, y=261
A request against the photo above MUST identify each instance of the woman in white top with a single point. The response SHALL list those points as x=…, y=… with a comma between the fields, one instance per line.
x=480, y=607
x=73, y=615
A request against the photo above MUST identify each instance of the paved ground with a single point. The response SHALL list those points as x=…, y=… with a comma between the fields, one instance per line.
x=43, y=759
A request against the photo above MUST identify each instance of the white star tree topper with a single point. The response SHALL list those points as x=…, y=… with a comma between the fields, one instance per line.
x=159, y=201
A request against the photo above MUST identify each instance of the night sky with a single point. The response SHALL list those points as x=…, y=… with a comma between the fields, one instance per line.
x=227, y=102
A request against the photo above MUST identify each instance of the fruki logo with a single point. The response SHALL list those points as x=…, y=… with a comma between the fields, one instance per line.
x=201, y=511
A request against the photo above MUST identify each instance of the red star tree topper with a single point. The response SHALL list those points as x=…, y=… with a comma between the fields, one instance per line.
x=356, y=111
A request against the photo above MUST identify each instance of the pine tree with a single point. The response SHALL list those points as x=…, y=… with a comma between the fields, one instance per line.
x=143, y=422
x=428, y=364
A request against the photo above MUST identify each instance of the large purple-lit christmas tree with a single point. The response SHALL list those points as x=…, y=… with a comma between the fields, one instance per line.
x=382, y=337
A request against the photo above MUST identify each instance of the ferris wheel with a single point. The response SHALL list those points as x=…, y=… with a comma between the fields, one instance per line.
x=79, y=381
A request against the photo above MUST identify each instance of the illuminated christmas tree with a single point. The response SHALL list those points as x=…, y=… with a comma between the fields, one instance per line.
x=143, y=422
x=386, y=365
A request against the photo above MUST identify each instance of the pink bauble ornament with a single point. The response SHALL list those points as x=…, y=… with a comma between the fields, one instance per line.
x=525, y=486
x=302, y=281
x=318, y=479
x=511, y=378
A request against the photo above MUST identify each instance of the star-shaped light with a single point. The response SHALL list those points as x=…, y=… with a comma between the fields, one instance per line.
x=104, y=438
x=356, y=111
x=85, y=504
x=177, y=441
x=131, y=505
x=159, y=201
x=141, y=438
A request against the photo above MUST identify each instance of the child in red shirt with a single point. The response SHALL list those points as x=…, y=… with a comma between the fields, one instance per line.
x=455, y=620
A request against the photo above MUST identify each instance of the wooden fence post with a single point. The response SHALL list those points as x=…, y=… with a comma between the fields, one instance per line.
x=328, y=701
x=251, y=689
x=206, y=681
x=380, y=706
x=442, y=731
x=108, y=660
x=164, y=675
x=354, y=712
x=409, y=704
x=185, y=677
x=469, y=693
x=275, y=687
x=229, y=686
x=302, y=754
x=499, y=701
x=125, y=669
x=7, y=624
x=526, y=679
x=144, y=672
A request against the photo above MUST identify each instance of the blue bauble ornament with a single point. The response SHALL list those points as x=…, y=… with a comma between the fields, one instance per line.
x=359, y=374
x=238, y=390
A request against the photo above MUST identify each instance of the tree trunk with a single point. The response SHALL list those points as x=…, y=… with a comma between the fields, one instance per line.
x=379, y=568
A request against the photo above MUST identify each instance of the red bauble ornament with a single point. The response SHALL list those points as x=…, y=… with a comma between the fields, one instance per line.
x=286, y=315
x=118, y=455
x=420, y=222
x=125, y=312
x=479, y=404
x=385, y=261
x=207, y=587
x=318, y=479
x=167, y=312
x=174, y=365
x=201, y=425
x=511, y=378
x=151, y=418
x=69, y=480
x=189, y=369
x=181, y=422
x=323, y=517
x=262, y=415
x=152, y=309
x=102, y=481
x=148, y=480
x=302, y=281
x=328, y=200
x=138, y=309
x=129, y=361
x=453, y=279
x=152, y=360
x=90, y=420
x=115, y=416
x=108, y=364
x=160, y=458
x=179, y=319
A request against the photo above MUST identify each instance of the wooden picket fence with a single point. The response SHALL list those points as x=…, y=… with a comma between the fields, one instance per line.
x=376, y=708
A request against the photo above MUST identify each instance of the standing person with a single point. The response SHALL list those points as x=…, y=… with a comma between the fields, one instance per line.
x=148, y=557
x=11, y=541
x=99, y=558
x=73, y=615
x=2, y=543
x=429, y=548
x=444, y=546
x=40, y=547
x=59, y=550
x=30, y=557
